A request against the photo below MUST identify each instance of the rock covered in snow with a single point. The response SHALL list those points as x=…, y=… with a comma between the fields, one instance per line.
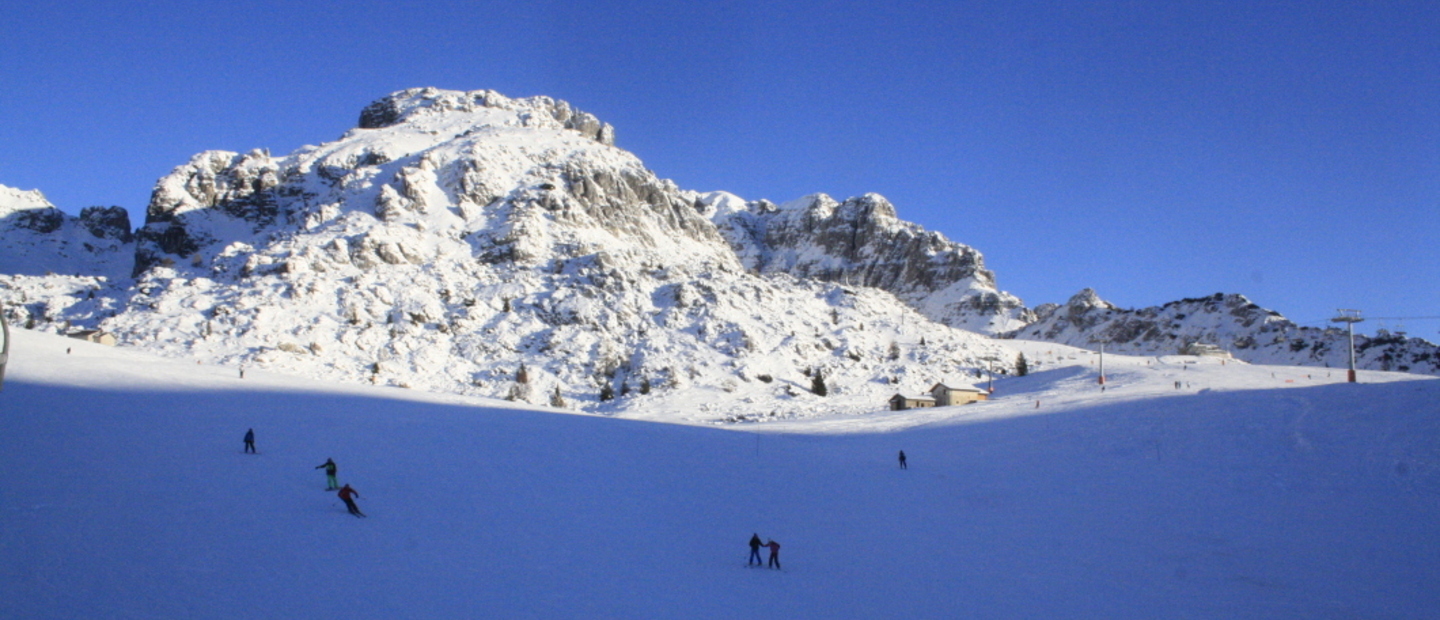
x=36, y=238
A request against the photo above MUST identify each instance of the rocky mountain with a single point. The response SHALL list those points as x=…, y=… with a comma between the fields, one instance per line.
x=453, y=239
x=1230, y=322
x=471, y=243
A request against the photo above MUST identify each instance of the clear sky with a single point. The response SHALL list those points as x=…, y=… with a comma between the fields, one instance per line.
x=1289, y=151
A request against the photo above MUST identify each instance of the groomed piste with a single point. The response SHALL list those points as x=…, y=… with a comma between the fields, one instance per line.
x=1186, y=489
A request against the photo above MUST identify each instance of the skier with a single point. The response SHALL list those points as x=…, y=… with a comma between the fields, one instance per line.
x=774, y=554
x=329, y=465
x=346, y=493
x=902, y=460
x=250, y=441
x=754, y=551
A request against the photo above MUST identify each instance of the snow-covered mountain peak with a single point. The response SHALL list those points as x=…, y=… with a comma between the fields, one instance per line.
x=428, y=107
x=471, y=243
x=1087, y=300
x=40, y=238
x=455, y=238
x=13, y=200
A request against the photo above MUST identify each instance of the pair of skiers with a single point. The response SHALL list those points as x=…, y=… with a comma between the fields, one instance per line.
x=755, y=546
x=346, y=494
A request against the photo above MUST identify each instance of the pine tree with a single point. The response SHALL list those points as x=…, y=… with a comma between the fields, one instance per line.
x=1022, y=367
x=556, y=400
x=817, y=384
x=522, y=375
x=606, y=392
x=645, y=385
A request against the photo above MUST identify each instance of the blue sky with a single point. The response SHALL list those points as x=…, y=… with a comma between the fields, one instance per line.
x=1289, y=151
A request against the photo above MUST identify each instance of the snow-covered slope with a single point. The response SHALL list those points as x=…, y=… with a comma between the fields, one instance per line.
x=125, y=494
x=1231, y=322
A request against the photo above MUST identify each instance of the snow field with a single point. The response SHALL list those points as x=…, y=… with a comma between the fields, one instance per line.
x=124, y=494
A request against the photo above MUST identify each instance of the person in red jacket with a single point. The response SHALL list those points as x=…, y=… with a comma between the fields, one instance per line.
x=346, y=493
x=774, y=554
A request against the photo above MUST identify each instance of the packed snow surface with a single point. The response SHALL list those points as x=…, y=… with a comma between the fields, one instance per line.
x=1185, y=489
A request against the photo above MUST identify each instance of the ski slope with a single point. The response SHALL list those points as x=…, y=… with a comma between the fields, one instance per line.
x=124, y=493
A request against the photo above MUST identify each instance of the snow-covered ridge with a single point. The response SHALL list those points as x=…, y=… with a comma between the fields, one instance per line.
x=1231, y=322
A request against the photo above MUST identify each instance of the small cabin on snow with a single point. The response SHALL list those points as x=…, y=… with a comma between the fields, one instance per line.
x=946, y=396
x=940, y=395
x=96, y=336
x=900, y=402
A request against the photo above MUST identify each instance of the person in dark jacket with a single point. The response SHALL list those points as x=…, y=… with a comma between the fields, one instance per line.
x=902, y=460
x=774, y=554
x=347, y=493
x=250, y=441
x=329, y=465
x=755, y=551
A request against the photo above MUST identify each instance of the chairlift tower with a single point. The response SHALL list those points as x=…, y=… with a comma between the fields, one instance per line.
x=1349, y=318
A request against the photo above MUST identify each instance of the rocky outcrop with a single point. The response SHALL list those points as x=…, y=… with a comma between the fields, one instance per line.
x=862, y=242
x=108, y=223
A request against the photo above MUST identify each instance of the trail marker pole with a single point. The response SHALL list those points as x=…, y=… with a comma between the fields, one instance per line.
x=4, y=347
x=1102, y=362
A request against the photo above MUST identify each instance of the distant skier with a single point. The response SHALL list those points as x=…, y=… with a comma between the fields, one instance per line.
x=902, y=460
x=755, y=551
x=774, y=554
x=250, y=441
x=330, y=483
x=346, y=493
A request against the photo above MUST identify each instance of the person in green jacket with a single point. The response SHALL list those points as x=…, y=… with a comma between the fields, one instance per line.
x=329, y=465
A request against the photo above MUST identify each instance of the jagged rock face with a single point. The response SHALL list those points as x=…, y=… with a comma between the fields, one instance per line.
x=454, y=236
x=862, y=242
x=1232, y=322
x=37, y=238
